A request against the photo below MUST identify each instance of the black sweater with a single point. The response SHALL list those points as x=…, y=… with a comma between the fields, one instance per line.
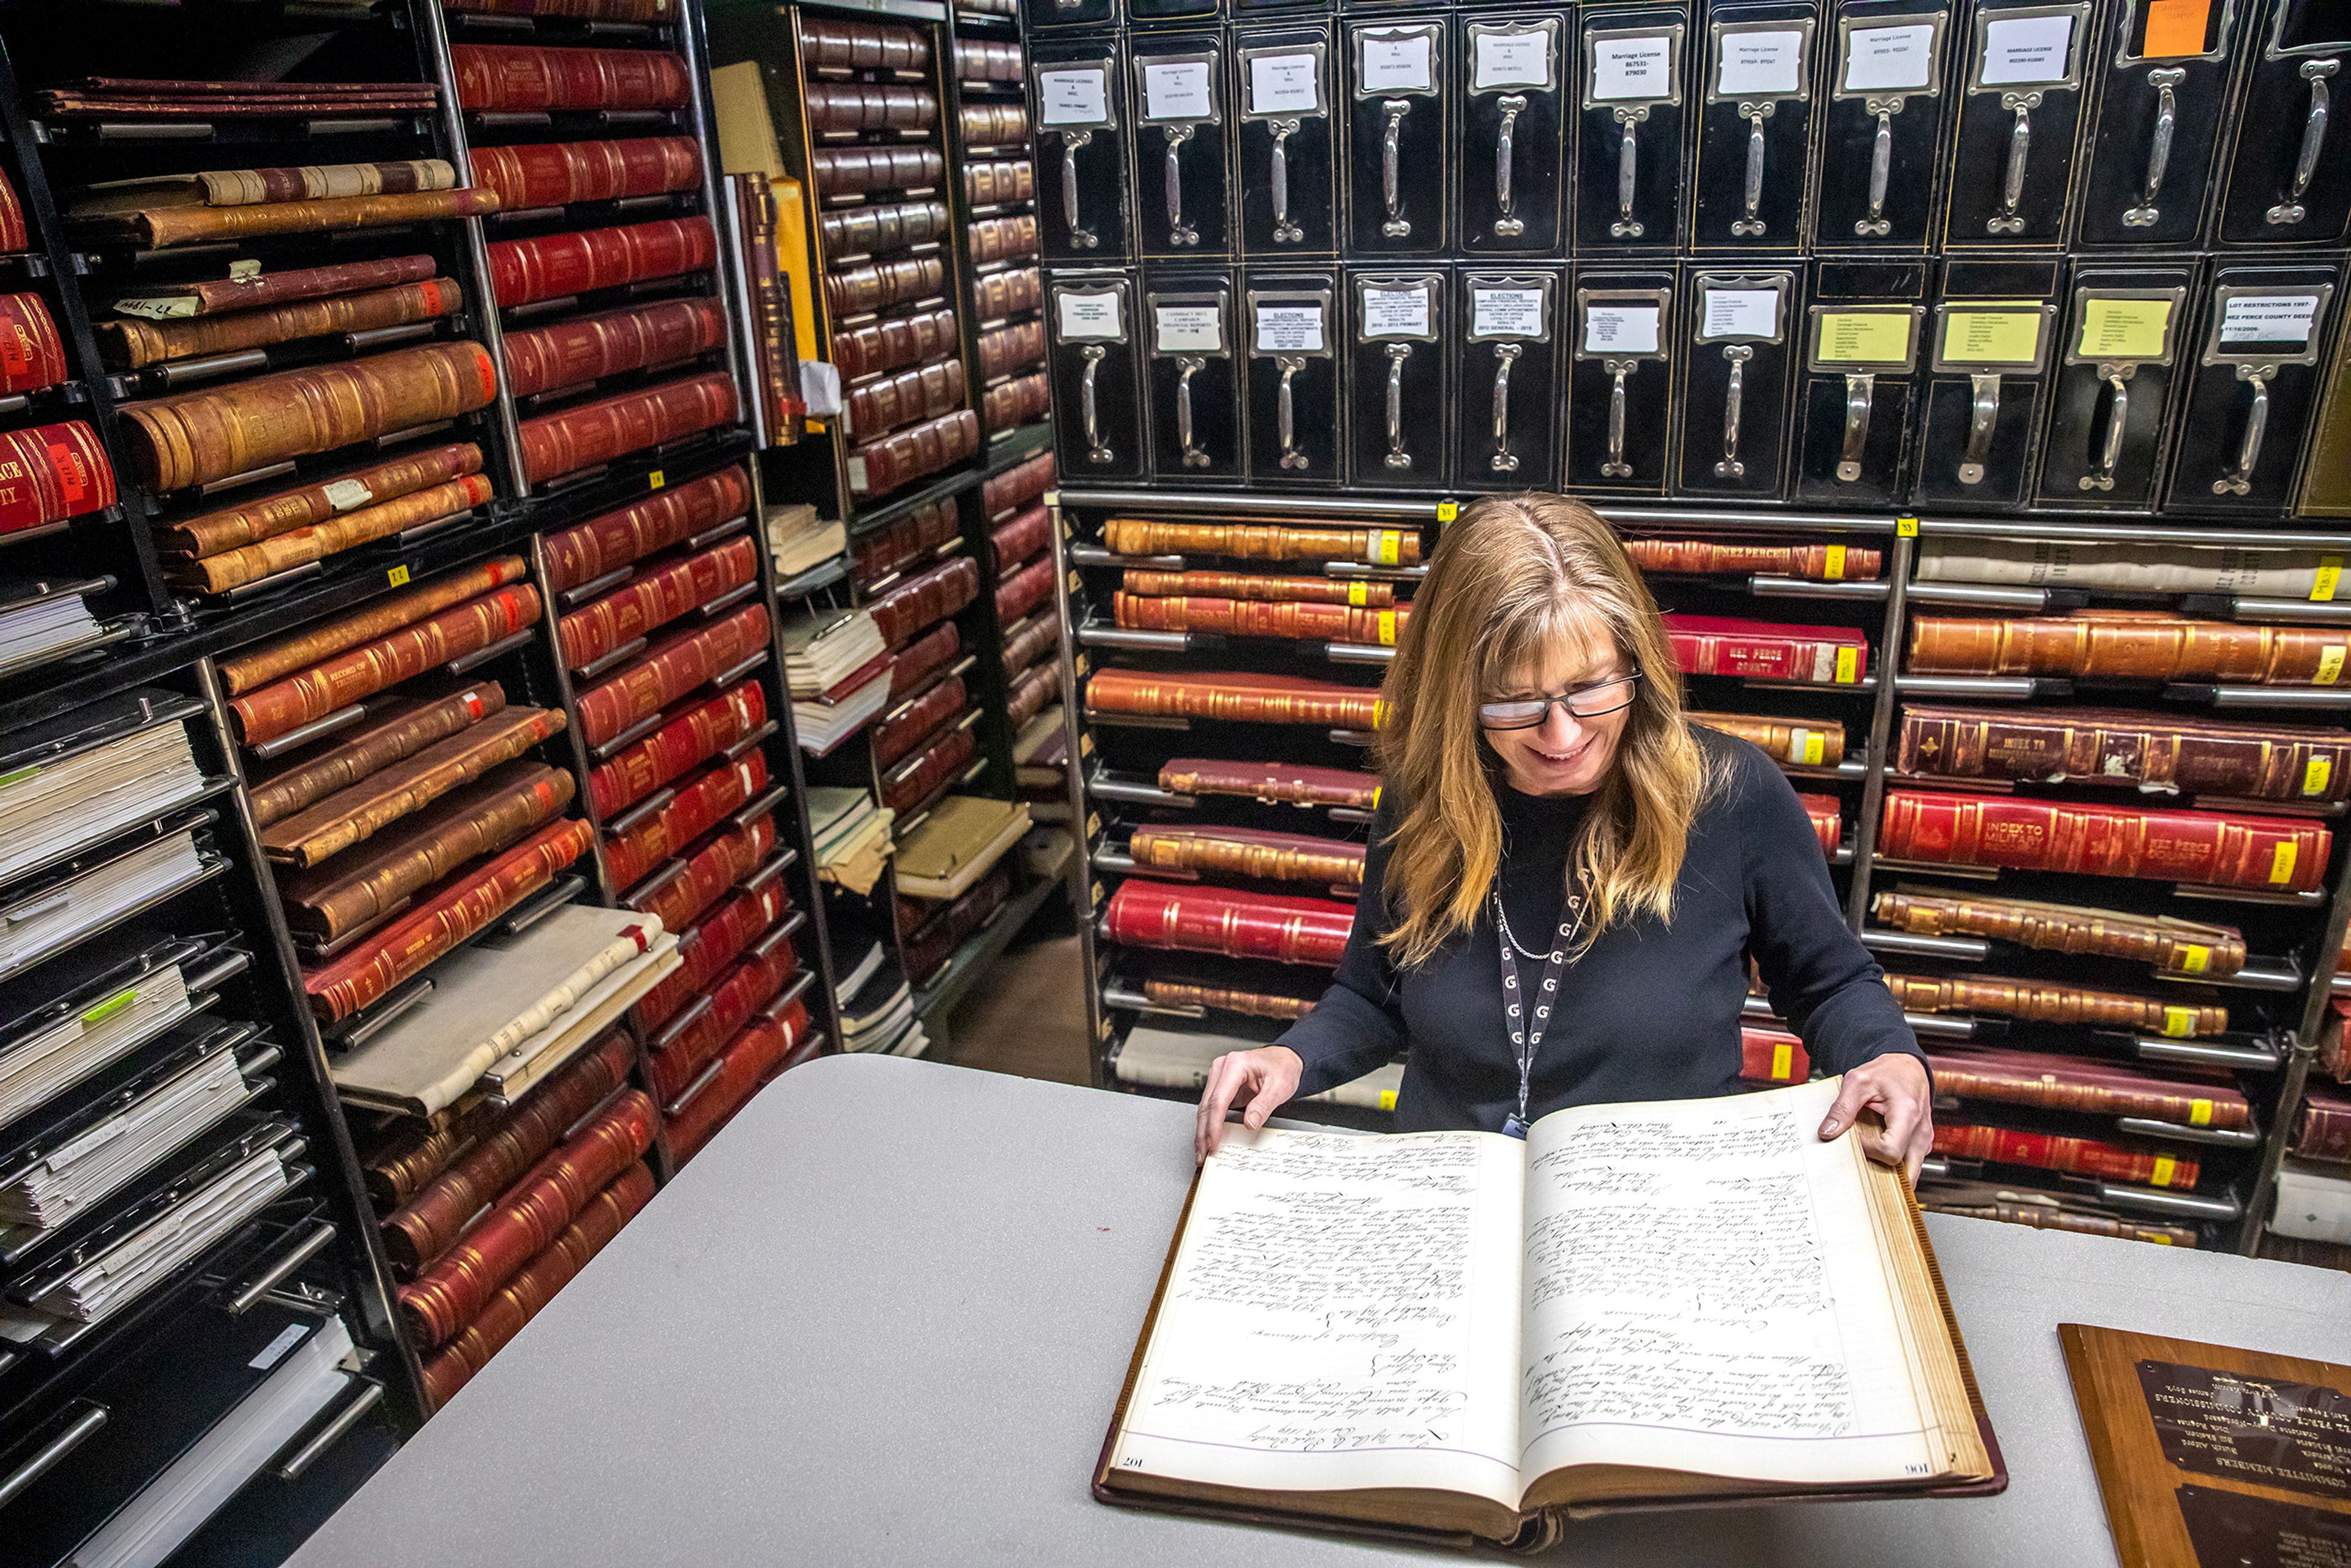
x=1651, y=1012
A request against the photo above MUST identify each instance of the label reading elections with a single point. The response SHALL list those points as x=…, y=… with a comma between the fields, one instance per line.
x=2027, y=50
x=1620, y=329
x=1284, y=84
x=1090, y=316
x=2124, y=329
x=1880, y=58
x=1991, y=337
x=1289, y=329
x=1633, y=68
x=1863, y=337
x=1188, y=329
x=1506, y=312
x=1512, y=59
x=1741, y=313
x=2269, y=318
x=1396, y=64
x=1180, y=90
x=1395, y=312
x=1074, y=97
x=1760, y=64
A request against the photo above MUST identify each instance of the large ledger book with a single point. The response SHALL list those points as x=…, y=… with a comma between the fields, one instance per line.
x=243, y=564
x=52, y=472
x=1765, y=649
x=2136, y=567
x=1274, y=783
x=1548, y=1338
x=1799, y=743
x=2074, y=1156
x=521, y=77
x=1190, y=919
x=555, y=173
x=1250, y=851
x=1304, y=621
x=32, y=355
x=692, y=810
x=695, y=883
x=1820, y=563
x=349, y=816
x=604, y=544
x=2089, y=1084
x=2041, y=1001
x=393, y=728
x=925, y=598
x=2127, y=645
x=1264, y=541
x=242, y=673
x=572, y=353
x=252, y=290
x=2278, y=854
x=914, y=726
x=912, y=665
x=160, y=227
x=134, y=344
x=1235, y=696
x=549, y=267
x=696, y=734
x=1264, y=1004
x=682, y=1050
x=1139, y=582
x=896, y=546
x=2104, y=746
x=1151, y=1057
x=2323, y=1131
x=582, y=436
x=656, y=598
x=2180, y=947
x=668, y=670
x=902, y=341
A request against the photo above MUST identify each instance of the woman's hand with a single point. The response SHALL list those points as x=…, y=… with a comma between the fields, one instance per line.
x=1268, y=1076
x=1896, y=1087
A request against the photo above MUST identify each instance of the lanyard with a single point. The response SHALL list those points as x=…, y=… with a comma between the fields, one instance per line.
x=1527, y=1032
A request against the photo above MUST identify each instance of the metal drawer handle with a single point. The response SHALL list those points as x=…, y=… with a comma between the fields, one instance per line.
x=1509, y=225
x=1397, y=457
x=1983, y=418
x=1755, y=114
x=301, y=1253
x=1877, y=226
x=1284, y=231
x=1082, y=237
x=1391, y=176
x=1286, y=412
x=2110, y=450
x=2257, y=423
x=1096, y=451
x=1616, y=468
x=45, y=1458
x=369, y=1396
x=1628, y=172
x=1190, y=365
x=1505, y=355
x=1178, y=231
x=2020, y=149
x=2159, y=146
x=1860, y=392
x=2314, y=141
x=1733, y=401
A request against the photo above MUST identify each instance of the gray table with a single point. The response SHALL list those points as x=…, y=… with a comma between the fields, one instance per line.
x=883, y=1318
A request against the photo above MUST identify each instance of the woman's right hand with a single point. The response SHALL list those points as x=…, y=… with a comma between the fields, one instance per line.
x=1268, y=1077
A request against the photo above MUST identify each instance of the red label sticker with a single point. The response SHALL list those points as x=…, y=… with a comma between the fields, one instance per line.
x=473, y=704
x=66, y=465
x=487, y=372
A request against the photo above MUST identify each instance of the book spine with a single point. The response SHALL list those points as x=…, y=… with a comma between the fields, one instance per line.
x=325, y=182
x=700, y=804
x=1028, y=535
x=934, y=943
x=1278, y=857
x=705, y=950
x=1266, y=541
x=2049, y=1084
x=876, y=346
x=2275, y=854
x=1029, y=641
x=588, y=348
x=1819, y=563
x=746, y=1063
x=1769, y=658
x=893, y=225
x=920, y=601
x=50, y=473
x=1017, y=347
x=298, y=547
x=917, y=395
x=310, y=505
x=893, y=738
x=1024, y=591
x=1814, y=743
x=1007, y=293
x=1772, y=1056
x=2324, y=1131
x=2126, y=647
x=2044, y=1218
x=654, y=600
x=1274, y=783
x=993, y=184
x=945, y=757
x=1827, y=816
x=2074, y=1156
x=694, y=736
x=557, y=443
x=1014, y=403
x=160, y=228
x=1239, y=925
x=741, y=992
x=854, y=290
x=343, y=819
x=1029, y=693
x=867, y=105
x=269, y=712
x=613, y=539
x=522, y=76
x=1029, y=481
x=32, y=355
x=281, y=795
x=862, y=46
x=195, y=437
x=1238, y=699
x=14, y=236
x=556, y=173
x=656, y=11
x=245, y=671
x=853, y=171
x=706, y=874
x=1003, y=239
x=2280, y=764
x=548, y=266
x=2052, y=1004
x=668, y=670
x=896, y=545
x=2135, y=567
x=914, y=663
x=1140, y=583
x=993, y=124
x=2212, y=951
x=1253, y=618
x=1253, y=1004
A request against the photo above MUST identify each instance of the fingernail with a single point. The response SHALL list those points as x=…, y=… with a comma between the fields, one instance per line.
x=1829, y=1128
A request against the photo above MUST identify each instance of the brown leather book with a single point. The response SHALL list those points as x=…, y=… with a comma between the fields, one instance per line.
x=299, y=546
x=1006, y=293
x=654, y=600
x=929, y=770
x=243, y=672
x=934, y=942
x=838, y=43
x=521, y=77
x=694, y=733
x=396, y=727
x=174, y=301
x=582, y=261
x=894, y=737
x=1017, y=347
x=872, y=347
x=893, y=225
x=142, y=98
x=310, y=505
x=654, y=11
x=1031, y=643
x=896, y=546
x=554, y=444
x=1253, y=618
x=2323, y=1130
x=1799, y=743
x=2274, y=853
x=1820, y=563
x=556, y=173
x=1249, y=851
x=981, y=59
x=995, y=125
x=1237, y=697
x=2176, y=948
x=1028, y=535
x=250, y=187
x=159, y=228
x=854, y=290
x=607, y=543
x=883, y=405
x=1144, y=584
x=1264, y=541
x=993, y=184
x=354, y=814
x=669, y=669
x=332, y=901
x=926, y=597
x=1221, y=998
x=1030, y=692
x=2106, y=745
x=586, y=349
x=2041, y=1002
x=1020, y=485
x=910, y=666
x=194, y=437
x=1274, y=783
x=869, y=106
x=1009, y=404
x=2012, y=1210
x=858, y=171
x=2127, y=645
x=2088, y=1084
x=1003, y=239
x=414, y=1153
x=1023, y=591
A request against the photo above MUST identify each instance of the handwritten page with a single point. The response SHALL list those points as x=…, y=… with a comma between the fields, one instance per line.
x=1343, y=1314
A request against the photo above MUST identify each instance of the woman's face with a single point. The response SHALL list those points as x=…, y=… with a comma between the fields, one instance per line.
x=1564, y=755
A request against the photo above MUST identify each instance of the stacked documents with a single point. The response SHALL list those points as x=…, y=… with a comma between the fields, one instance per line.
x=64, y=1042
x=851, y=835
x=52, y=808
x=1151, y=1057
x=798, y=539
x=37, y=625
x=38, y=921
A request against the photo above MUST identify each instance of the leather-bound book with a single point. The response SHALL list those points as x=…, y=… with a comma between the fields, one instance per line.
x=396, y=728
x=195, y=437
x=2074, y=1156
x=1018, y=486
x=1274, y=783
x=2105, y=745
x=52, y=472
x=1006, y=293
x=1029, y=692
x=1256, y=618
x=935, y=942
x=332, y=901
x=2278, y=854
x=872, y=285
x=893, y=737
x=1139, y=583
x=2040, y=1001
x=2176, y=948
x=669, y=669
x=2323, y=1131
x=749, y=1059
x=993, y=183
x=338, y=681
x=741, y=992
x=1264, y=541
x=442, y=916
x=299, y=546
x=1193, y=919
x=2137, y=565
x=1772, y=1055
x=1024, y=590
x=1763, y=650
x=979, y=59
x=928, y=596
x=612, y=539
x=656, y=598
x=894, y=546
x=210, y=296
x=678, y=1068
x=876, y=346
x=839, y=43
x=525, y=76
x=1801, y=743
x=2088, y=1084
x=1017, y=347
x=548, y=266
x=555, y=173
x=2011, y=1209
x=2127, y=645
x=13, y=235
x=582, y=437
x=526, y=1219
x=1235, y=696
x=1250, y=851
x=1819, y=563
x=1030, y=642
x=1826, y=814
x=869, y=106
x=32, y=355
x=1003, y=239
x=928, y=769
x=707, y=947
x=425, y=1225
x=857, y=171
x=699, y=804
x=892, y=226
x=243, y=672
x=912, y=665
x=159, y=228
x=696, y=734
x=1014, y=403
x=308, y=505
x=587, y=348
x=535, y=1284
x=655, y=11
x=1223, y=998
x=883, y=405
x=354, y=814
x=704, y=875
x=144, y=98
x=995, y=125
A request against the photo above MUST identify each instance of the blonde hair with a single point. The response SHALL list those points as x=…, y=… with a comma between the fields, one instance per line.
x=1512, y=577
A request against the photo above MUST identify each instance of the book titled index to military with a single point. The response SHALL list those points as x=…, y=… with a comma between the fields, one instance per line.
x=1465, y=1337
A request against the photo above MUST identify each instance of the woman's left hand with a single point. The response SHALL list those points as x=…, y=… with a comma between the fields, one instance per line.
x=1896, y=1087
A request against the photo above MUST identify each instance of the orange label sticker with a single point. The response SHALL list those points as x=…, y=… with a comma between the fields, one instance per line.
x=2175, y=27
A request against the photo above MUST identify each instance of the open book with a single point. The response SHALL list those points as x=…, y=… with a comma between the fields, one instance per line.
x=1465, y=1335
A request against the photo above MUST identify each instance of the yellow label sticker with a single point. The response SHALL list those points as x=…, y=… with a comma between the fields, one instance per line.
x=656, y=480
x=1375, y=797
x=2323, y=580
x=1783, y=1062
x=1359, y=593
x=1834, y=568
x=2157, y=1237
x=109, y=1007
x=2282, y=863
x=2124, y=329
x=1992, y=337
x=2199, y=1114
x=396, y=576
x=2330, y=665
x=1379, y=713
x=1085, y=743
x=1098, y=892
x=1387, y=1099
x=1863, y=337
x=2316, y=774
x=1386, y=547
x=1093, y=824
x=1808, y=747
x=1387, y=627
x=2165, y=1166
x=1077, y=584
x=1448, y=510
x=1848, y=667
x=2178, y=1021
x=2193, y=958
x=1906, y=528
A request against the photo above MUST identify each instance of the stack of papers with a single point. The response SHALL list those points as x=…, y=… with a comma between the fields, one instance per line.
x=879, y=1017
x=798, y=540
x=84, y=1032
x=851, y=835
x=866, y=968
x=38, y=625
x=828, y=652
x=38, y=921
x=54, y=808
x=1155, y=1058
x=958, y=843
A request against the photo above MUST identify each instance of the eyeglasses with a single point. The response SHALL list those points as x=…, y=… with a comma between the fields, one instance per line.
x=1597, y=700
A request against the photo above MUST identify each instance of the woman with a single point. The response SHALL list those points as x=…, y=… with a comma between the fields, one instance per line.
x=1553, y=830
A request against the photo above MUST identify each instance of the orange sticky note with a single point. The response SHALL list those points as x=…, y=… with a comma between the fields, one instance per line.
x=2175, y=27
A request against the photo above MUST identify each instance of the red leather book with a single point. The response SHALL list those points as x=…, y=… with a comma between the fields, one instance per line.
x=700, y=804
x=904, y=456
x=885, y=405
x=858, y=171
x=551, y=266
x=2076, y=1157
x=1266, y=1004
x=555, y=173
x=697, y=732
x=52, y=472
x=1030, y=642
x=1194, y=919
x=1244, y=585
x=1254, y=618
x=922, y=775
x=1274, y=783
x=749, y=1061
x=1772, y=1055
x=934, y=942
x=2090, y=1085
x=1030, y=692
x=313, y=694
x=1017, y=487
x=1264, y=541
x=171, y=99
x=876, y=284
x=1024, y=590
x=1238, y=697
x=707, y=947
x=525, y=76
x=395, y=727
x=2324, y=1133
x=307, y=506
x=1827, y=814
x=654, y=600
x=890, y=548
x=2044, y=1001
x=676, y=1070
x=379, y=618
x=1721, y=645
x=2127, y=645
x=1014, y=403
x=14, y=236
x=413, y=1154
x=133, y=345
x=2108, y=746
x=607, y=542
x=582, y=437
x=890, y=225
x=703, y=877
x=2277, y=853
x=742, y=991
x=220, y=296
x=654, y=11
x=839, y=43
x=587, y=348
x=670, y=668
x=526, y=1220
x=894, y=738
x=927, y=596
x=1006, y=293
x=874, y=347
x=1005, y=349
x=444, y=915
x=1028, y=534
x=451, y=1367
x=1819, y=563
x=912, y=665
x=32, y=356
x=1249, y=851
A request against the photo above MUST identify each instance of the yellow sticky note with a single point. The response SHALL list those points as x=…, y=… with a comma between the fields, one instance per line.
x=2199, y=1114
x=2165, y=1168
x=2178, y=1021
x=1387, y=1099
x=2316, y=774
x=1991, y=337
x=1848, y=667
x=1448, y=510
x=2175, y=27
x=1782, y=1062
x=1863, y=337
x=396, y=576
x=2323, y=580
x=1833, y=568
x=656, y=480
x=1359, y=593
x=2330, y=665
x=2282, y=863
x=1906, y=528
x=1387, y=627
x=1387, y=548
x=2193, y=958
x=2124, y=329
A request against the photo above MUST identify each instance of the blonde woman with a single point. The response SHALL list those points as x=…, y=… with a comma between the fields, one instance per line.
x=1566, y=879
